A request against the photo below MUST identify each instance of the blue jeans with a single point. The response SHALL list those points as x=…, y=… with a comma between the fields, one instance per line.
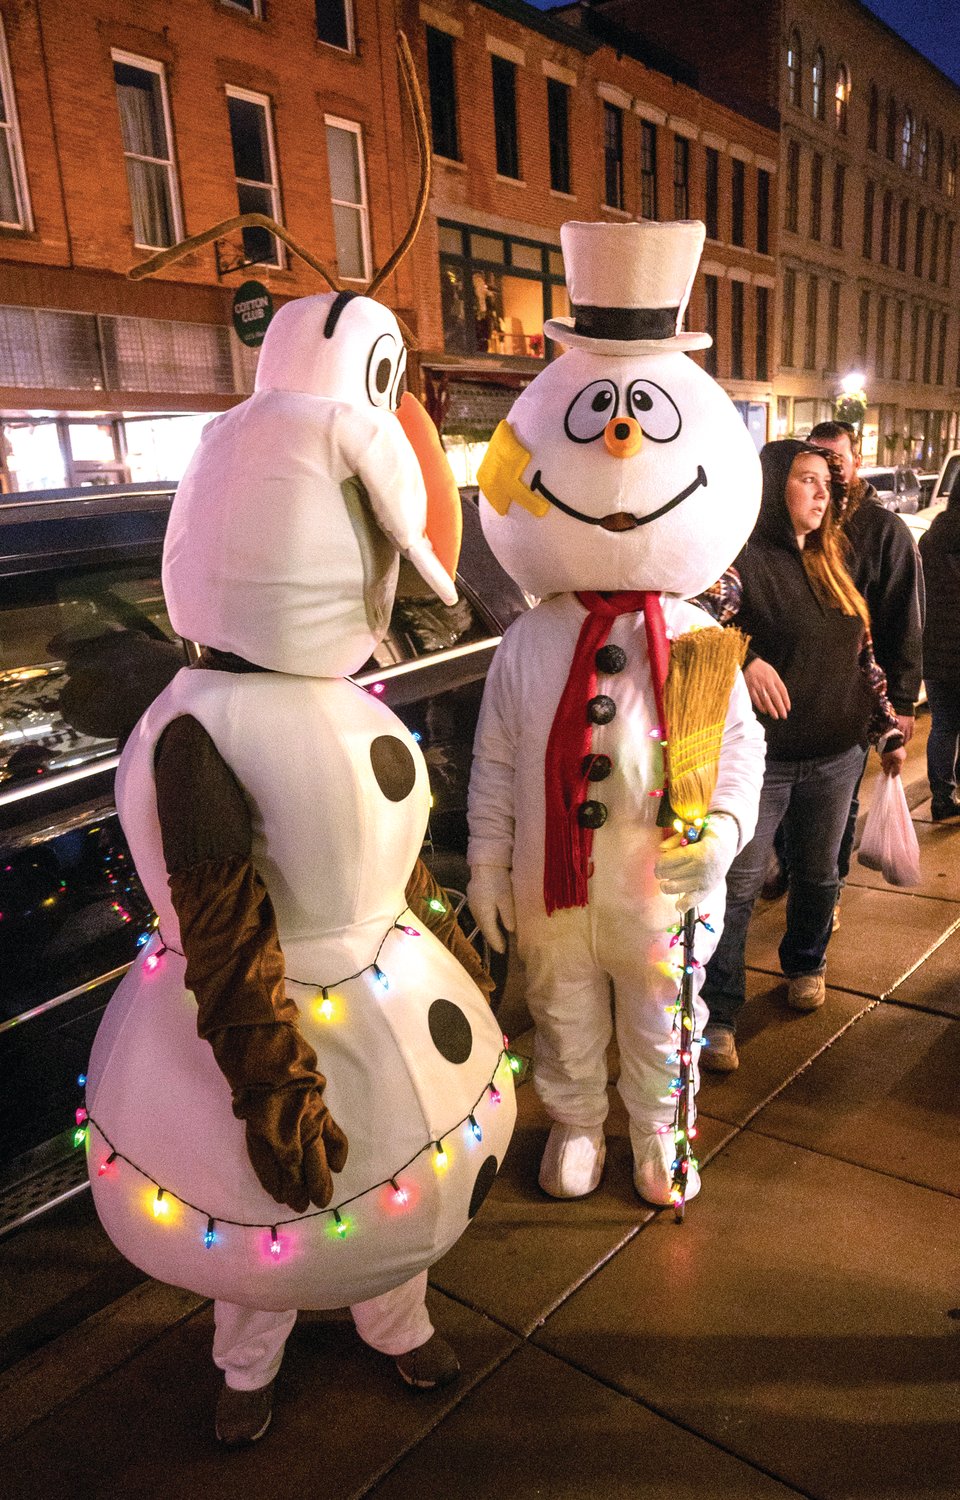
x=942, y=743
x=812, y=800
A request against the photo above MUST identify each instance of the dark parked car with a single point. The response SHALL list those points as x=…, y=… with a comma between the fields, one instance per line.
x=80, y=573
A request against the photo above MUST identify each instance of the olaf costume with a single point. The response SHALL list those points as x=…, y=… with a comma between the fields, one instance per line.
x=621, y=467
x=275, y=811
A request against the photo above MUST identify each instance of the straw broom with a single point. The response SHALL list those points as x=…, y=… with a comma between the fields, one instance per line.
x=702, y=671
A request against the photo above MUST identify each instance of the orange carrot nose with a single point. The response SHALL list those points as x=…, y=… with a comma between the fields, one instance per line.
x=444, y=516
x=623, y=437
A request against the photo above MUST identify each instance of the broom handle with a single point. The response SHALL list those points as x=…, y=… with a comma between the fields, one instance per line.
x=685, y=1048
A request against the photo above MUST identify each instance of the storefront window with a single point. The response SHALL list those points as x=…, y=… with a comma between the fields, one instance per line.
x=497, y=296
x=34, y=458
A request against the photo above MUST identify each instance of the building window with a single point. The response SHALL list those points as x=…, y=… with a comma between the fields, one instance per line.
x=148, y=149
x=897, y=342
x=842, y=98
x=558, y=126
x=736, y=330
x=711, y=359
x=763, y=211
x=868, y=197
x=833, y=324
x=942, y=350
x=935, y=248
x=612, y=156
x=255, y=168
x=881, y=336
x=505, y=116
x=914, y=340
x=938, y=162
x=14, y=199
x=794, y=70
x=497, y=292
x=839, y=183
x=918, y=242
x=886, y=227
x=816, y=85
x=902, y=235
x=335, y=23
x=738, y=192
x=443, y=94
x=681, y=177
x=923, y=164
x=763, y=333
x=348, y=194
x=789, y=313
x=813, y=307
x=873, y=118
x=816, y=195
x=793, y=187
x=713, y=193
x=863, y=327
x=890, y=143
x=906, y=141
x=928, y=348
x=948, y=253
x=952, y=171
x=648, y=172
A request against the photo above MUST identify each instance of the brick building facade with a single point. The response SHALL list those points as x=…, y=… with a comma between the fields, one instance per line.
x=124, y=131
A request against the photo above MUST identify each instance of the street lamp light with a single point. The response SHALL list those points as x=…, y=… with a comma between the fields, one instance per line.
x=850, y=404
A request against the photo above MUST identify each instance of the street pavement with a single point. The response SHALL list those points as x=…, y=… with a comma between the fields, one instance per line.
x=799, y=1334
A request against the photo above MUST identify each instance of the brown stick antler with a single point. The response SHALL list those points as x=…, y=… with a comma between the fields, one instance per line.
x=415, y=97
x=239, y=221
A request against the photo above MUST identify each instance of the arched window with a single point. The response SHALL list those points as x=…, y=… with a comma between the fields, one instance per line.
x=938, y=161
x=873, y=118
x=890, y=144
x=816, y=84
x=794, y=69
x=906, y=141
x=842, y=97
x=924, y=162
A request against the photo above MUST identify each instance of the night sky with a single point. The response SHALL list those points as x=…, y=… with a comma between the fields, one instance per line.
x=932, y=26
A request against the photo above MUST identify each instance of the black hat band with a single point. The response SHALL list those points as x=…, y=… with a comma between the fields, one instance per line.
x=626, y=322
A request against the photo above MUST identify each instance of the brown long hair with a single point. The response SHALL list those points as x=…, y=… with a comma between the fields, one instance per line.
x=824, y=557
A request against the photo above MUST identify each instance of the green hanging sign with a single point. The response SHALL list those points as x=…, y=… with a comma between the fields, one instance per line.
x=252, y=311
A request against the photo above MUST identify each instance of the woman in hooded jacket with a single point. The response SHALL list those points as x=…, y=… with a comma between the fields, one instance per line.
x=821, y=698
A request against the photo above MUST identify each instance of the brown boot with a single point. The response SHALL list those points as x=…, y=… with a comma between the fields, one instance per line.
x=807, y=992
x=243, y=1416
x=432, y=1365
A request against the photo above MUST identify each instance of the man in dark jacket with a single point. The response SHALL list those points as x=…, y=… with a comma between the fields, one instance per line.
x=884, y=564
x=940, y=553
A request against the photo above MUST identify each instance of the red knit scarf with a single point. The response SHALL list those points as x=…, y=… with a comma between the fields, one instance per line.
x=567, y=845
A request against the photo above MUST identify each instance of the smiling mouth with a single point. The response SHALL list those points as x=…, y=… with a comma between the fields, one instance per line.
x=619, y=520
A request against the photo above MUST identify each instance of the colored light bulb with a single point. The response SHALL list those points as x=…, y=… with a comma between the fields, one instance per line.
x=440, y=1158
x=106, y=1164
x=495, y=1095
x=436, y=905
x=475, y=1130
x=151, y=962
x=160, y=1205
x=380, y=977
x=80, y=1135
x=339, y=1225
x=82, y=1079
x=210, y=1235
x=410, y=931
x=400, y=1195
x=275, y=1246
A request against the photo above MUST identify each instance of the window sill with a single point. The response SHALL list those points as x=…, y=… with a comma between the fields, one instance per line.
x=511, y=181
x=567, y=197
x=449, y=161
x=622, y=213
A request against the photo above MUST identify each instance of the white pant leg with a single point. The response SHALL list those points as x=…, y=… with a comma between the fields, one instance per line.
x=397, y=1321
x=568, y=996
x=248, y=1345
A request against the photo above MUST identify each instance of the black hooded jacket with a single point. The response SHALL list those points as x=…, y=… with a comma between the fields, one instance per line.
x=940, y=550
x=815, y=649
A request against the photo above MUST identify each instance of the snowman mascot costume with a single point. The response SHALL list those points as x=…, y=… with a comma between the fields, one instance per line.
x=275, y=812
x=622, y=484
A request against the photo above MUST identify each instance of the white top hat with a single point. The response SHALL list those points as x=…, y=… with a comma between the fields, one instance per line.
x=629, y=285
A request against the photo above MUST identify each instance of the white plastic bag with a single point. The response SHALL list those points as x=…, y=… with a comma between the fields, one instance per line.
x=889, y=842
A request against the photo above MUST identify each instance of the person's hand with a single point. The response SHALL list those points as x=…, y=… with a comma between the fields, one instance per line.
x=892, y=760
x=690, y=872
x=767, y=689
x=906, y=723
x=490, y=899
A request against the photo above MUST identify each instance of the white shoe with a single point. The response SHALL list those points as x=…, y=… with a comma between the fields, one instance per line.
x=653, y=1158
x=572, y=1164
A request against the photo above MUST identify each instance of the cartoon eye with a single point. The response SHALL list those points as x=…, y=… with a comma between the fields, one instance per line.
x=654, y=410
x=590, y=411
x=382, y=369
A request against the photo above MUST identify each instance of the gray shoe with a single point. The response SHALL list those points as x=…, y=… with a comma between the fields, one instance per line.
x=807, y=992
x=243, y=1416
x=432, y=1365
x=719, y=1051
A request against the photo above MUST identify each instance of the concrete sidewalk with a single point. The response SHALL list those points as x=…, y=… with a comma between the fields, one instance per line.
x=798, y=1335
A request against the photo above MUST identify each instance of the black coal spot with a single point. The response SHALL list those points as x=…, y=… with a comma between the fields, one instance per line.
x=450, y=1031
x=483, y=1184
x=393, y=766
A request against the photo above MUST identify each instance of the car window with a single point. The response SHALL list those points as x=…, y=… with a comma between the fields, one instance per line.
x=421, y=626
x=101, y=624
x=949, y=475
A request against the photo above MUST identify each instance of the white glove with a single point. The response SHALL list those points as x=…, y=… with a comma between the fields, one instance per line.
x=489, y=897
x=691, y=872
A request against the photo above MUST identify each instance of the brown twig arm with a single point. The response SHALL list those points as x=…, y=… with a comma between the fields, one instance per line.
x=176, y=252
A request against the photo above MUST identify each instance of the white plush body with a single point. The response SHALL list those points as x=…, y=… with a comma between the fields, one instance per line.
x=621, y=935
